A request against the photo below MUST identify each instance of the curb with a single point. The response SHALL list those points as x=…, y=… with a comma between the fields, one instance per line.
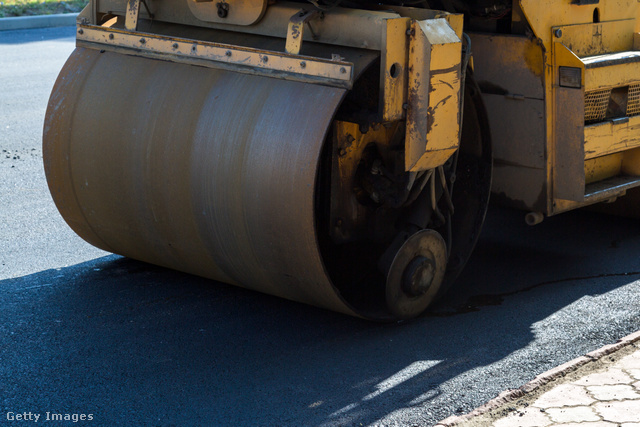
x=509, y=396
x=38, y=21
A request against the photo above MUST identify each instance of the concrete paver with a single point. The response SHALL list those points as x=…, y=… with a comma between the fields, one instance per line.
x=603, y=391
x=564, y=395
x=627, y=411
x=594, y=424
x=576, y=414
x=611, y=377
x=613, y=392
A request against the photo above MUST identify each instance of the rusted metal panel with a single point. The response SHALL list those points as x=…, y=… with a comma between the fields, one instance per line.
x=518, y=187
x=508, y=65
x=567, y=153
x=517, y=130
x=568, y=170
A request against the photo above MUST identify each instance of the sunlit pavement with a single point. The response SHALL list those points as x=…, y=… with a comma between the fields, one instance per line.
x=601, y=389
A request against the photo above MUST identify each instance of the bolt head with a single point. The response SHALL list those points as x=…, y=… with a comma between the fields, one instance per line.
x=418, y=276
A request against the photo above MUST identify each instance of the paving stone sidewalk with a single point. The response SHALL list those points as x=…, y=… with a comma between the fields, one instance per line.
x=600, y=389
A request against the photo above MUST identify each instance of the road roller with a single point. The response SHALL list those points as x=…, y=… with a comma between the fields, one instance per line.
x=338, y=153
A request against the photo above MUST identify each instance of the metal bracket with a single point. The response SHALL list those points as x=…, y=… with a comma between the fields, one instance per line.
x=133, y=11
x=217, y=55
x=295, y=31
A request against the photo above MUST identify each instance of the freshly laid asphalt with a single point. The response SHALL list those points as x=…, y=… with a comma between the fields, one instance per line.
x=85, y=332
x=600, y=389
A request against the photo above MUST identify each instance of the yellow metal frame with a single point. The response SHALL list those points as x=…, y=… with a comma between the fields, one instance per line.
x=216, y=55
x=133, y=11
x=394, y=69
x=611, y=137
x=433, y=126
x=295, y=31
x=578, y=155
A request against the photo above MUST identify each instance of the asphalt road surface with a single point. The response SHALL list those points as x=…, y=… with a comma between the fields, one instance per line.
x=88, y=333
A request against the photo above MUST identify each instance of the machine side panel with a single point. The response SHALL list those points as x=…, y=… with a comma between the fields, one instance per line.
x=509, y=70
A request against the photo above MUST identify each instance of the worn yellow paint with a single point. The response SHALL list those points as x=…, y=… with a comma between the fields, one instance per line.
x=295, y=30
x=610, y=137
x=532, y=58
x=455, y=20
x=352, y=142
x=631, y=162
x=394, y=69
x=569, y=35
x=611, y=76
x=621, y=163
x=131, y=19
x=564, y=57
x=434, y=95
x=295, y=33
x=543, y=15
x=597, y=38
x=603, y=167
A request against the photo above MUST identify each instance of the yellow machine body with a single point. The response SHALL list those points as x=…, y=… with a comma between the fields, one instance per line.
x=563, y=96
x=340, y=157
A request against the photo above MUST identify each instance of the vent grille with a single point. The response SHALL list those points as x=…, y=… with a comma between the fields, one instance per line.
x=596, y=103
x=633, y=102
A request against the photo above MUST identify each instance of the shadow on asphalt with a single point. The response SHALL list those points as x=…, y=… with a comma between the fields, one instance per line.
x=135, y=344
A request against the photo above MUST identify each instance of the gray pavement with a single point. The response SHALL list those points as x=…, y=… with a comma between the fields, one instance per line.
x=31, y=60
x=38, y=21
x=600, y=389
x=85, y=332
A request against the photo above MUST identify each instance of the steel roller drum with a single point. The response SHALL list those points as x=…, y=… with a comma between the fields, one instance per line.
x=206, y=171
